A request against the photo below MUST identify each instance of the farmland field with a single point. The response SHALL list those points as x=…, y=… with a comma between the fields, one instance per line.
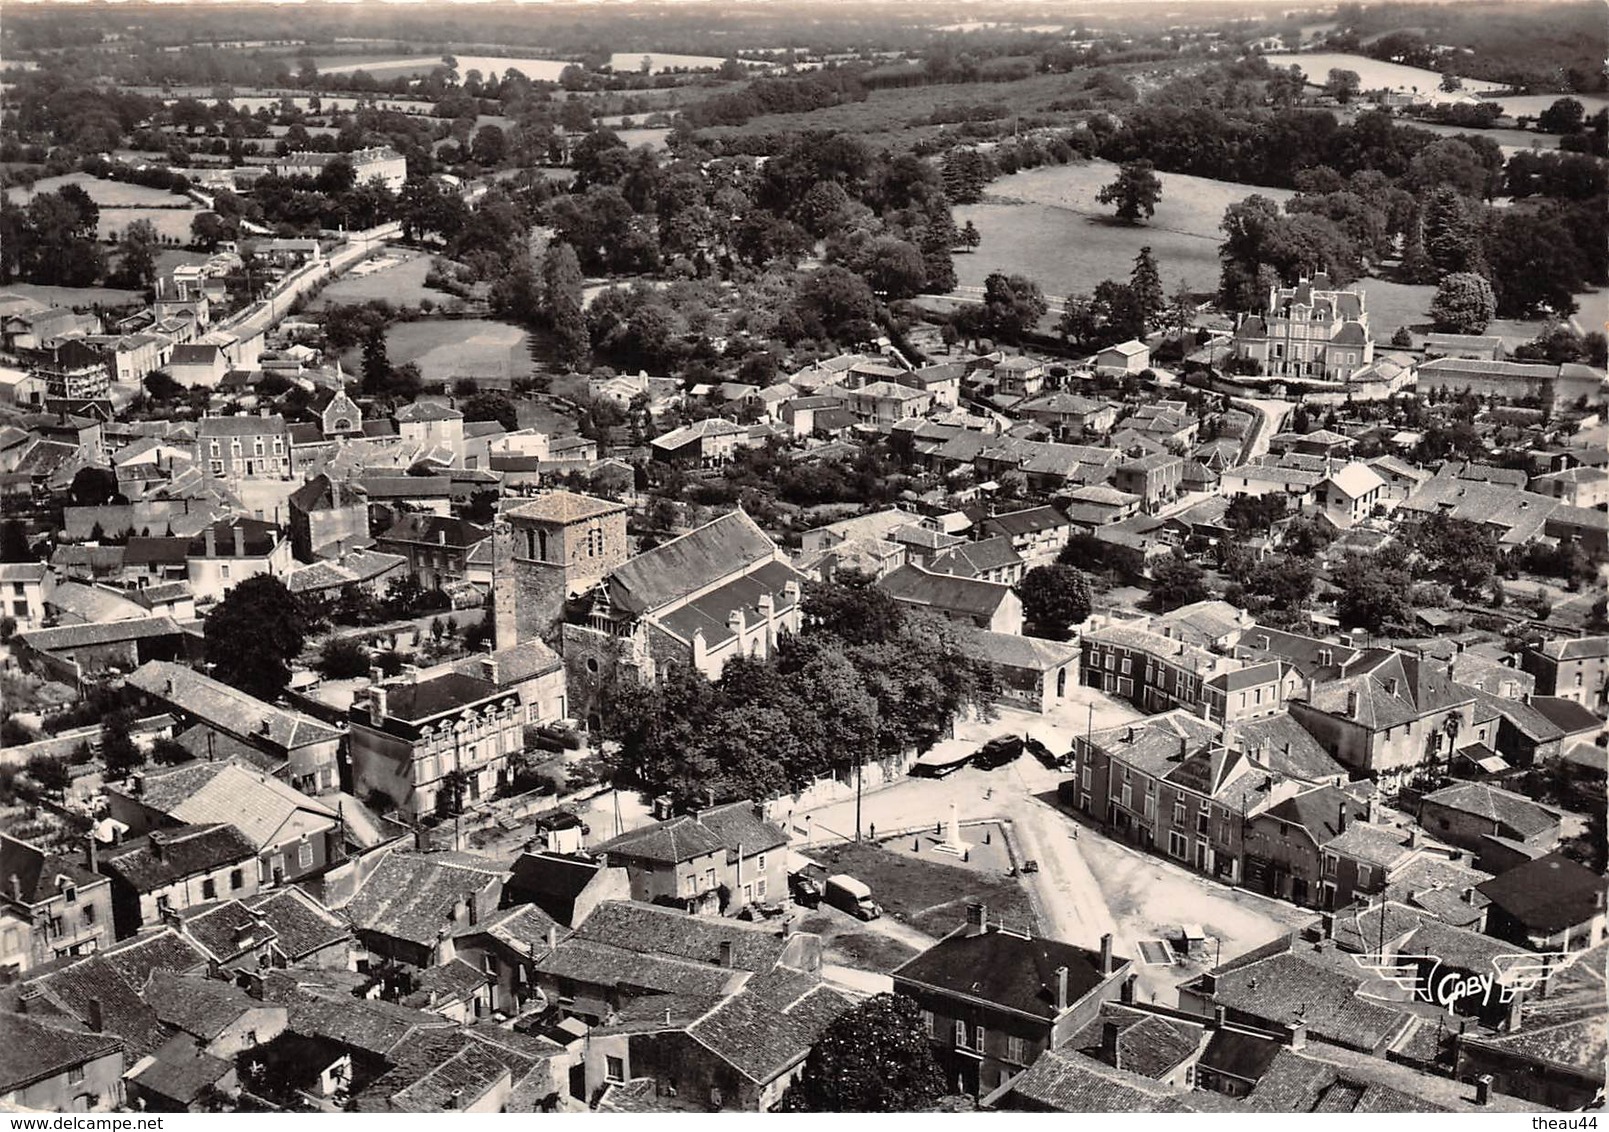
x=1045, y=224
x=446, y=349
x=1372, y=73
x=172, y=224
x=107, y=194
x=541, y=70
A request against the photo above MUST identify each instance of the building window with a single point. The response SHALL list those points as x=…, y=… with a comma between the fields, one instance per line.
x=488, y=964
x=614, y=1069
x=1178, y=812
x=1086, y=775
x=1329, y=864
x=977, y=1038
x=929, y=1023
x=1016, y=1050
x=209, y=889
x=237, y=879
x=759, y=888
x=1177, y=846
x=759, y=862
x=1365, y=874
x=304, y=855
x=1201, y=821
x=75, y=1075
x=961, y=1033
x=88, y=914
x=1128, y=666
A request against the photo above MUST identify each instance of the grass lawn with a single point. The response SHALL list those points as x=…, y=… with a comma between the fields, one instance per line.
x=170, y=223
x=76, y=296
x=929, y=896
x=400, y=284
x=867, y=951
x=1046, y=224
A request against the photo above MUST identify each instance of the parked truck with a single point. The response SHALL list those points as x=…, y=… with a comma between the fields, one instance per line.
x=847, y=894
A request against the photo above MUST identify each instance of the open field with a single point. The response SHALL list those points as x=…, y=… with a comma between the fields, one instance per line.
x=76, y=296
x=652, y=137
x=446, y=349
x=107, y=194
x=1059, y=236
x=380, y=66
x=172, y=224
x=1534, y=104
x=1372, y=73
x=401, y=283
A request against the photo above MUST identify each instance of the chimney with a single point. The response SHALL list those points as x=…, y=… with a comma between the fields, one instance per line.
x=378, y=704
x=1106, y=954
x=1413, y=838
x=376, y=676
x=553, y=937
x=488, y=669
x=1340, y=821
x=1483, y=1089
x=1219, y=1017
x=92, y=855
x=441, y=537
x=1126, y=992
x=240, y=540
x=159, y=849
x=1061, y=989
x=1109, y=1052
x=725, y=954
x=1327, y=925
x=1469, y=896
x=16, y=888
x=977, y=919
x=474, y=909
x=1296, y=1034
x=210, y=539
x=455, y=1098
x=93, y=1017
x=1352, y=705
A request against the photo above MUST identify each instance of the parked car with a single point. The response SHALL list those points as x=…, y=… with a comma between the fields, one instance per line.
x=999, y=751
x=1030, y=866
x=1043, y=753
x=806, y=888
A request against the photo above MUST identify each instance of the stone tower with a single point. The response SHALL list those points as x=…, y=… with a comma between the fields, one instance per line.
x=545, y=550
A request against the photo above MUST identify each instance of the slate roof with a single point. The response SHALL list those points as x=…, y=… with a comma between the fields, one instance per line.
x=974, y=559
x=360, y=1024
x=1240, y=1053
x=245, y=425
x=689, y=562
x=524, y=928
x=1502, y=807
x=605, y=965
x=435, y=530
x=1006, y=969
x=709, y=613
x=226, y=929
x=1033, y=520
x=1371, y=844
x=551, y=882
x=37, y=872
x=1582, y=648
x=1568, y=716
x=64, y=637
x=422, y=699
x=1569, y=1027
x=1548, y=894
x=179, y=1072
x=411, y=896
x=266, y=810
x=1294, y=1083
x=426, y=411
x=36, y=1051
x=162, y=857
x=1285, y=747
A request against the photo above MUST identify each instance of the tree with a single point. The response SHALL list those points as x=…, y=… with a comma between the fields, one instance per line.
x=52, y=774
x=1402, y=337
x=970, y=237
x=491, y=406
x=1451, y=232
x=93, y=487
x=253, y=634
x=1012, y=306
x=1342, y=85
x=490, y=147
x=1254, y=514
x=1054, y=598
x=1563, y=117
x=876, y=1057
x=139, y=244
x=1373, y=596
x=1145, y=283
x=14, y=542
x=376, y=361
x=1135, y=191
x=561, y=302
x=1177, y=581
x=342, y=658
x=1450, y=80
x=1464, y=304
x=118, y=751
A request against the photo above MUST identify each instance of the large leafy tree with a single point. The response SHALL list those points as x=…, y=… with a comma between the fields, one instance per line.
x=1177, y=581
x=1464, y=304
x=1135, y=191
x=1054, y=598
x=1145, y=284
x=1374, y=595
x=253, y=634
x=874, y=1058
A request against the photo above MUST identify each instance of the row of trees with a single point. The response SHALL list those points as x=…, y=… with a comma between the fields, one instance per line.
x=866, y=679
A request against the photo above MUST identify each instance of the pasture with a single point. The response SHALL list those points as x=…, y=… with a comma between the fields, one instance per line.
x=493, y=353
x=400, y=282
x=1046, y=224
x=1373, y=74
x=107, y=194
x=538, y=70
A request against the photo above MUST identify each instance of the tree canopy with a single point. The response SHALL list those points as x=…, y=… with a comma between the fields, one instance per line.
x=253, y=634
x=876, y=1057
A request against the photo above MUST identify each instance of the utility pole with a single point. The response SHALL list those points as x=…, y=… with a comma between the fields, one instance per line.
x=857, y=801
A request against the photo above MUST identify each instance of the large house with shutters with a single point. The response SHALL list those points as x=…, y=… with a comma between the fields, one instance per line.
x=1313, y=329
